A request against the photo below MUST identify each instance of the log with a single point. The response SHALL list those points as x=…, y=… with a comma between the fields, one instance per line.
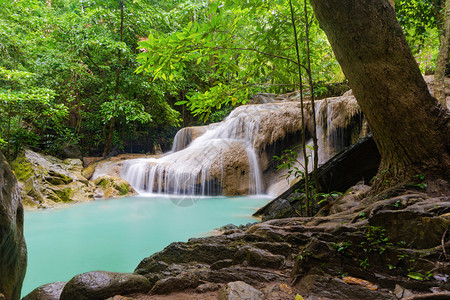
x=358, y=162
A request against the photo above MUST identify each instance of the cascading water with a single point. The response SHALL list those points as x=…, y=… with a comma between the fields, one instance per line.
x=197, y=167
x=231, y=157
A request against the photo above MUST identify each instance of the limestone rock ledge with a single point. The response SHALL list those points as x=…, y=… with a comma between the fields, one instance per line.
x=46, y=181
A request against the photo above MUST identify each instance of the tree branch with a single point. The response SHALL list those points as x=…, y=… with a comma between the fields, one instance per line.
x=265, y=53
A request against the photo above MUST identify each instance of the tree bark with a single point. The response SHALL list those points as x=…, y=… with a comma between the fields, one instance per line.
x=443, y=56
x=409, y=126
x=392, y=3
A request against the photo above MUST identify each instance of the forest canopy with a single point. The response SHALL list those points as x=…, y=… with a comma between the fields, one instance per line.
x=104, y=75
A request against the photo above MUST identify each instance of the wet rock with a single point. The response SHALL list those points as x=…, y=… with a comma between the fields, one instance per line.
x=13, y=252
x=99, y=285
x=239, y=290
x=231, y=167
x=180, y=282
x=186, y=135
x=259, y=258
x=50, y=291
x=110, y=186
x=47, y=181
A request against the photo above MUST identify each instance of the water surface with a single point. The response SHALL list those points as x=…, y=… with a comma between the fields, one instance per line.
x=115, y=235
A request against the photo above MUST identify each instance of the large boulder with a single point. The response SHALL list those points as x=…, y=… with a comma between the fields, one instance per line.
x=100, y=285
x=47, y=181
x=13, y=252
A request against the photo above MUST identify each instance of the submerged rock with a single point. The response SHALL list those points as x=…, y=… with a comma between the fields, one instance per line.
x=13, y=252
x=99, y=285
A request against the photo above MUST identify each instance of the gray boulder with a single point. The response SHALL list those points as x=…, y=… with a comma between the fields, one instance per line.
x=100, y=285
x=259, y=258
x=50, y=291
x=240, y=290
x=13, y=252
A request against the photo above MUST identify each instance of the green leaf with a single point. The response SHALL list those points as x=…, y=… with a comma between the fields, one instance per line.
x=417, y=276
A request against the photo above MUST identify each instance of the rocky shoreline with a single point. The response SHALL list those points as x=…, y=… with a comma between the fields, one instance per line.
x=394, y=245
x=46, y=182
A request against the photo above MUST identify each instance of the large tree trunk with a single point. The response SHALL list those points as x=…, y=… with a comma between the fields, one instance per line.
x=409, y=126
x=443, y=56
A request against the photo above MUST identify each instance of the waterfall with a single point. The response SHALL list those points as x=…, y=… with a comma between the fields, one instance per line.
x=234, y=157
x=197, y=166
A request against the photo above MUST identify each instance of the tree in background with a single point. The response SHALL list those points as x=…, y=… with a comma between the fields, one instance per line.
x=242, y=48
x=84, y=51
x=443, y=64
x=427, y=23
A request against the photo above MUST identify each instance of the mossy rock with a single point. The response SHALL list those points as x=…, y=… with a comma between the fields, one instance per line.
x=22, y=169
x=46, y=180
x=111, y=186
x=65, y=194
x=89, y=171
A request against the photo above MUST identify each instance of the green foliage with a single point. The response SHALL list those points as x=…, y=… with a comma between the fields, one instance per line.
x=290, y=161
x=24, y=105
x=420, y=276
x=294, y=166
x=420, y=178
x=72, y=66
x=68, y=72
x=234, y=54
x=421, y=20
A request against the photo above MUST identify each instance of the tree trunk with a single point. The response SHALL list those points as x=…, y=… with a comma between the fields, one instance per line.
x=109, y=139
x=392, y=3
x=443, y=56
x=13, y=251
x=409, y=125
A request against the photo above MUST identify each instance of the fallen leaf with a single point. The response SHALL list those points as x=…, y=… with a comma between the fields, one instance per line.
x=285, y=288
x=358, y=281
